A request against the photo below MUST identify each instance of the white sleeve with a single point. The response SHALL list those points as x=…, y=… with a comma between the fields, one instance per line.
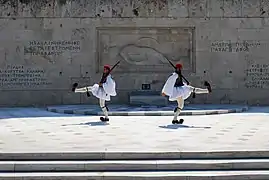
x=169, y=84
x=110, y=86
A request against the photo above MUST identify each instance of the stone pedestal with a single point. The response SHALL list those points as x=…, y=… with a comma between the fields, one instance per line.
x=152, y=98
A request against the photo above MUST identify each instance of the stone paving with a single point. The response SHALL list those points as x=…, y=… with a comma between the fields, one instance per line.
x=37, y=130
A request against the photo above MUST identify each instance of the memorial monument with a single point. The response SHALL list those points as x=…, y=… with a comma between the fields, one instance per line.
x=46, y=46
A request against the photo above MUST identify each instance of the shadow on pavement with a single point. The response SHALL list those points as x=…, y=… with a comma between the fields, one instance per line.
x=178, y=126
x=96, y=123
x=7, y=113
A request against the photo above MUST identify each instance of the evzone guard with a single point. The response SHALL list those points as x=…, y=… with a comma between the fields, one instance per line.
x=103, y=90
x=177, y=90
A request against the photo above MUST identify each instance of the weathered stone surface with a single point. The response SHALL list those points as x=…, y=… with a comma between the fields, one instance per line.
x=148, y=8
x=141, y=49
x=9, y=8
x=198, y=8
x=264, y=8
x=232, y=8
x=83, y=8
x=30, y=97
x=250, y=23
x=148, y=100
x=178, y=8
x=137, y=8
x=251, y=8
x=104, y=8
x=123, y=8
x=215, y=8
x=49, y=44
x=31, y=8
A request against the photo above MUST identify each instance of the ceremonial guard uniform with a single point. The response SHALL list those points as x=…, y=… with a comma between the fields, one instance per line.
x=103, y=90
x=177, y=90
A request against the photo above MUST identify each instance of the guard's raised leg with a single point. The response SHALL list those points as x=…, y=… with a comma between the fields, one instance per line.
x=83, y=90
x=201, y=90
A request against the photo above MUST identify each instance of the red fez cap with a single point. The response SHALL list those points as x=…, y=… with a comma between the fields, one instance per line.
x=179, y=66
x=107, y=67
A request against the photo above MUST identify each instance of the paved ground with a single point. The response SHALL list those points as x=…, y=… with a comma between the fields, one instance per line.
x=38, y=130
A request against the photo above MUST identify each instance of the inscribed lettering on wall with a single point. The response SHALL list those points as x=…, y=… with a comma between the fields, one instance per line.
x=51, y=48
x=20, y=77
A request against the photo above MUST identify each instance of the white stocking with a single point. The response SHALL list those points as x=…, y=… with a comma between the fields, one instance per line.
x=83, y=90
x=103, y=107
x=200, y=91
x=180, y=102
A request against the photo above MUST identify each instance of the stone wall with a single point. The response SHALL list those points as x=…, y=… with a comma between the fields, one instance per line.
x=47, y=45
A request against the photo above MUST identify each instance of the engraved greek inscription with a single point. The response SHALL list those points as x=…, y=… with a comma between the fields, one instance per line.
x=20, y=76
x=229, y=46
x=51, y=48
x=221, y=46
x=257, y=76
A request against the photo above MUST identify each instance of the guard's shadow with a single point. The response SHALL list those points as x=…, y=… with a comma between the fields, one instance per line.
x=97, y=123
x=177, y=126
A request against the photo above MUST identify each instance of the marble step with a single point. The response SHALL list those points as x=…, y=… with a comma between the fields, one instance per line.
x=140, y=100
x=147, y=98
x=160, y=175
x=142, y=165
x=147, y=155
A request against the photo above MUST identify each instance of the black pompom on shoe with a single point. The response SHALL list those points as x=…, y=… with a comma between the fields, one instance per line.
x=208, y=86
x=75, y=85
x=104, y=119
x=175, y=122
